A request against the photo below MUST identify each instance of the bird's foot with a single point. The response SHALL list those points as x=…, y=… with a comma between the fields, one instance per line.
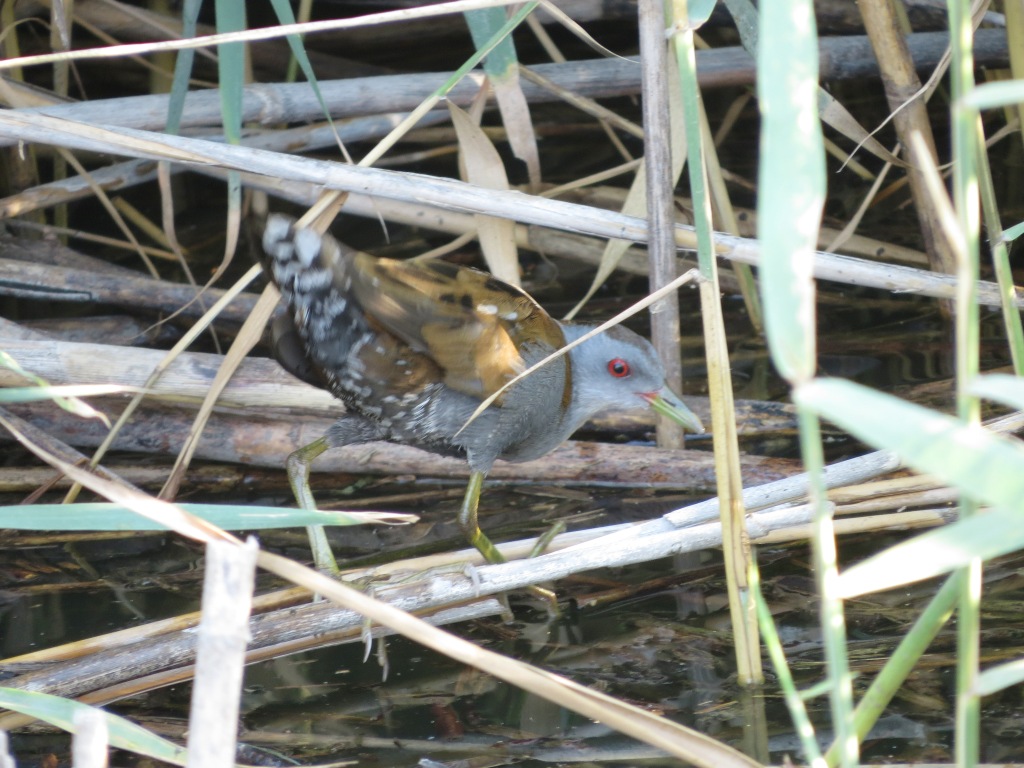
x=470, y=571
x=366, y=635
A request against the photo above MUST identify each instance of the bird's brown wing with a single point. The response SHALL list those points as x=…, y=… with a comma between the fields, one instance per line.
x=469, y=323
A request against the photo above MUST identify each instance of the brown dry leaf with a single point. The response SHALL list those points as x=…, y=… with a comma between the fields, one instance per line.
x=835, y=115
x=484, y=168
x=515, y=115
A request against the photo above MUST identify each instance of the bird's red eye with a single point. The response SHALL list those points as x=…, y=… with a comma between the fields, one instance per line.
x=618, y=368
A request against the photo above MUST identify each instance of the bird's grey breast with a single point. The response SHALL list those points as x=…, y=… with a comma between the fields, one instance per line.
x=531, y=420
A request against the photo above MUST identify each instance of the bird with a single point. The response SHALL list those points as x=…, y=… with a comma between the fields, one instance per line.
x=412, y=349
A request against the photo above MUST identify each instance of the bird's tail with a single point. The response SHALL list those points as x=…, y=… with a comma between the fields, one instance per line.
x=312, y=272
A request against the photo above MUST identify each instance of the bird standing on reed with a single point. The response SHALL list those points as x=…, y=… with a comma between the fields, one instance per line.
x=413, y=348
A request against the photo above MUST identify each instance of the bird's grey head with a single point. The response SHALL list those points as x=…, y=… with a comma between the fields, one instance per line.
x=618, y=369
x=615, y=369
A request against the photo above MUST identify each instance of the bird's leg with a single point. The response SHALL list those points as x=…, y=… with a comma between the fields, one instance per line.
x=468, y=520
x=541, y=545
x=298, y=477
x=471, y=529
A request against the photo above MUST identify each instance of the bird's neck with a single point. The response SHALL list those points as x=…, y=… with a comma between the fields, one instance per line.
x=581, y=407
x=573, y=331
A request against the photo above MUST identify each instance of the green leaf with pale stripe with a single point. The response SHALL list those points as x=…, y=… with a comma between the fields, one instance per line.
x=231, y=71
x=34, y=394
x=997, y=678
x=286, y=15
x=992, y=95
x=1013, y=232
x=231, y=68
x=983, y=465
x=123, y=734
x=182, y=66
x=483, y=24
x=62, y=396
x=989, y=534
x=1002, y=388
x=791, y=182
x=699, y=11
x=502, y=68
x=103, y=516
